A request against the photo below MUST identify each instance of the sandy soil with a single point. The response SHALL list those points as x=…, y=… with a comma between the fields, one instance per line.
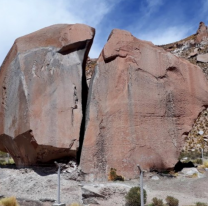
x=41, y=184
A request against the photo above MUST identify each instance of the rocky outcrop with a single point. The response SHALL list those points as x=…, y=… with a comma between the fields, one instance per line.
x=202, y=33
x=43, y=93
x=142, y=101
x=194, y=48
x=90, y=68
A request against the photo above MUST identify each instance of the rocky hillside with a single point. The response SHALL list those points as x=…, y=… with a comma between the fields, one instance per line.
x=195, y=49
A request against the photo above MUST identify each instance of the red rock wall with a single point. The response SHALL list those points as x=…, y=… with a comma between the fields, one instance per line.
x=41, y=84
x=141, y=102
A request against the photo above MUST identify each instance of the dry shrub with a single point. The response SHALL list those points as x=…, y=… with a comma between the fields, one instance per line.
x=75, y=204
x=171, y=201
x=157, y=202
x=9, y=201
x=201, y=204
x=195, y=175
x=205, y=164
x=114, y=177
x=133, y=197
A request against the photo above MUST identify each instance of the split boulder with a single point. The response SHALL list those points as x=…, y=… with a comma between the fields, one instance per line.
x=43, y=89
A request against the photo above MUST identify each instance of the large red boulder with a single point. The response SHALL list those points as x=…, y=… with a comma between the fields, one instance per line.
x=141, y=102
x=42, y=89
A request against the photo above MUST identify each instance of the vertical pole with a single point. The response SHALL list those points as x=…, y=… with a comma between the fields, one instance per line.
x=202, y=155
x=141, y=189
x=141, y=186
x=59, y=168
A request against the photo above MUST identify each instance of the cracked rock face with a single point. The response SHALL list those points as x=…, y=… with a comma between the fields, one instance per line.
x=142, y=101
x=42, y=86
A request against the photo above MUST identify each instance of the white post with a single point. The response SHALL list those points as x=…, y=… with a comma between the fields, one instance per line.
x=59, y=187
x=202, y=155
x=141, y=186
x=59, y=169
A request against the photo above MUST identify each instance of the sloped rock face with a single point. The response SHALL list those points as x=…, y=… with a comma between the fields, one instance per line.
x=194, y=48
x=43, y=93
x=141, y=102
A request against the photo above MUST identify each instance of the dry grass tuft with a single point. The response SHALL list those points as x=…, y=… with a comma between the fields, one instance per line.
x=205, y=164
x=9, y=201
x=75, y=204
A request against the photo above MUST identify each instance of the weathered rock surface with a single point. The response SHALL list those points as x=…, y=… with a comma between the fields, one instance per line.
x=202, y=58
x=142, y=100
x=43, y=93
x=194, y=49
x=202, y=33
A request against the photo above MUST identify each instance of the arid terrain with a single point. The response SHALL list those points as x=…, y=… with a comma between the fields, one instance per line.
x=136, y=104
x=39, y=186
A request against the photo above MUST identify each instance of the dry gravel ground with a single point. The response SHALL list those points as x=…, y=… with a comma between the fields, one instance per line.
x=41, y=185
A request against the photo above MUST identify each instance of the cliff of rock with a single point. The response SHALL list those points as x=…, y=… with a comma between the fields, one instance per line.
x=142, y=101
x=195, y=49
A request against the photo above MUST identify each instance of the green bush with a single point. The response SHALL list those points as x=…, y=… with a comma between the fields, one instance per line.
x=198, y=161
x=10, y=161
x=171, y=201
x=133, y=197
x=157, y=202
x=3, y=154
x=201, y=204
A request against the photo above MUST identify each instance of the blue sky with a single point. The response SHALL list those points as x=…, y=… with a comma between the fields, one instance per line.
x=159, y=21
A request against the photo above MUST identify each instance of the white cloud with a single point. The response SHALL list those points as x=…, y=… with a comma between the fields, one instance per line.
x=154, y=3
x=165, y=35
x=152, y=6
x=18, y=18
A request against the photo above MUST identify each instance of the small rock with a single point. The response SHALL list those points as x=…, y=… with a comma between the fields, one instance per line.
x=155, y=177
x=90, y=201
x=189, y=171
x=194, y=53
x=202, y=58
x=46, y=200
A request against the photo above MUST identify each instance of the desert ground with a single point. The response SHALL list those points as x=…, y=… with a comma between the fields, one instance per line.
x=38, y=186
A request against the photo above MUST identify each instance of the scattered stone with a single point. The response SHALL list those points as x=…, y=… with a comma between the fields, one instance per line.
x=90, y=201
x=47, y=200
x=155, y=177
x=189, y=171
x=202, y=58
x=90, y=191
x=194, y=53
